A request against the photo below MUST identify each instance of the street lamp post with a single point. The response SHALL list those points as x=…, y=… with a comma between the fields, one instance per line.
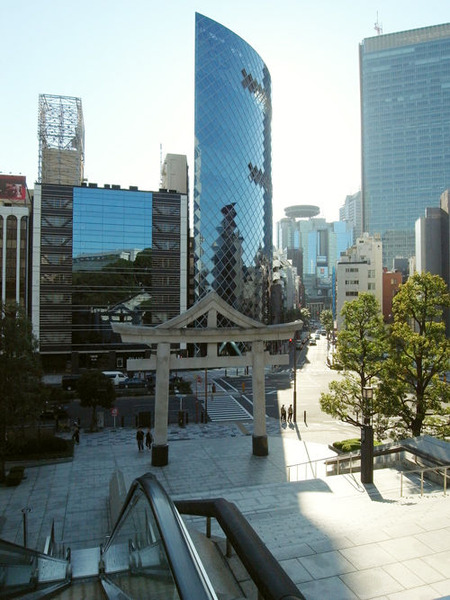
x=367, y=438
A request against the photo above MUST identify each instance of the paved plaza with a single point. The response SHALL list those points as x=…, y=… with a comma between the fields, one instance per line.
x=336, y=538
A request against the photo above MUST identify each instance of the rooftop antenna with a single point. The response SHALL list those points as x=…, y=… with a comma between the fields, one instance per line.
x=160, y=165
x=378, y=26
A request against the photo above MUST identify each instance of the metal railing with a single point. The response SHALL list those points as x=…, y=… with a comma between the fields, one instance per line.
x=311, y=465
x=354, y=460
x=423, y=470
x=270, y=578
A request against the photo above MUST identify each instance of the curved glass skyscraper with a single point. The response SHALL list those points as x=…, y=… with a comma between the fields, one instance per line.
x=233, y=179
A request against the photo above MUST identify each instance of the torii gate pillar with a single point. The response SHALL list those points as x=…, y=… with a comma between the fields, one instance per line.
x=160, y=447
x=260, y=443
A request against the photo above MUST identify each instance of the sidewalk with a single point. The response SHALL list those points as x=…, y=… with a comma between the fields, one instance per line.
x=335, y=537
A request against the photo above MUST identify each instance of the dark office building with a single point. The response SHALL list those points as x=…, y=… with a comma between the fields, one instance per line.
x=102, y=255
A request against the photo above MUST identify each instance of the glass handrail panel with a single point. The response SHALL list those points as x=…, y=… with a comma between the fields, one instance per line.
x=149, y=553
x=22, y=569
x=137, y=559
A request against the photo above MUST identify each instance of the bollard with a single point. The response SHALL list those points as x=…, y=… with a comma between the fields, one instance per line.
x=25, y=512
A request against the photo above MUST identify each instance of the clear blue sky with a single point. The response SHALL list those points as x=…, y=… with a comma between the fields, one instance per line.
x=132, y=64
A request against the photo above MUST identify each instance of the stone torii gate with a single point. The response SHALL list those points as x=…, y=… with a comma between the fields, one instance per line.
x=180, y=330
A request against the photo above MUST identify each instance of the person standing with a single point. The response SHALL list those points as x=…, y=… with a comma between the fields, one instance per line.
x=76, y=434
x=140, y=439
x=283, y=414
x=290, y=413
x=148, y=439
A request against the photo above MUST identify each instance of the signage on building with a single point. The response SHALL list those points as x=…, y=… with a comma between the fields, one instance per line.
x=13, y=187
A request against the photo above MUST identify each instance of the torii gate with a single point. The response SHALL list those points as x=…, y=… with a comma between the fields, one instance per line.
x=176, y=331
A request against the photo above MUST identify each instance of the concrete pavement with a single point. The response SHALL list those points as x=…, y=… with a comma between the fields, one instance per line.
x=336, y=538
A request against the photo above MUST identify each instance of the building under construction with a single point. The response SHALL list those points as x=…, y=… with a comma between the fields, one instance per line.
x=61, y=140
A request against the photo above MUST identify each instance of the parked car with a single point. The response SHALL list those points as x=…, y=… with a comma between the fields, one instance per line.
x=117, y=377
x=134, y=382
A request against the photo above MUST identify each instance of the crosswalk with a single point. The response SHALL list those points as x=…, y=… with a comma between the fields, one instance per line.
x=224, y=407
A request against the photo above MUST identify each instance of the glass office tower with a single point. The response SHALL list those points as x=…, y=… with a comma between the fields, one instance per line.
x=233, y=180
x=405, y=95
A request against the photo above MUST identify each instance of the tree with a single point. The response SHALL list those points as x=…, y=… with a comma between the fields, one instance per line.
x=20, y=375
x=418, y=355
x=360, y=352
x=305, y=316
x=95, y=389
x=326, y=319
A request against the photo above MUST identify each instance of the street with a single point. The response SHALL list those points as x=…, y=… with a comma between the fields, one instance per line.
x=313, y=376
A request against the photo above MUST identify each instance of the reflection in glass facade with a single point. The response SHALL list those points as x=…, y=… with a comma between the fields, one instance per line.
x=405, y=90
x=233, y=180
x=106, y=220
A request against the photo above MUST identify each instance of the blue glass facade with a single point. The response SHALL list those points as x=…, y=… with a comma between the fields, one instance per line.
x=233, y=180
x=405, y=91
x=107, y=220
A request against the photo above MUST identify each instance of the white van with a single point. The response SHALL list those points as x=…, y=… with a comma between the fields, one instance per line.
x=117, y=376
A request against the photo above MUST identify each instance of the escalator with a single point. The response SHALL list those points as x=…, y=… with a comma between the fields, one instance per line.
x=148, y=555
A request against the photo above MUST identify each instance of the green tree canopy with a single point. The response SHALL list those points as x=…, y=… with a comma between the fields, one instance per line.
x=360, y=351
x=20, y=374
x=413, y=388
x=95, y=389
x=326, y=319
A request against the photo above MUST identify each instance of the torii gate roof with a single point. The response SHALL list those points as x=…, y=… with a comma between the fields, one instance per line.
x=180, y=329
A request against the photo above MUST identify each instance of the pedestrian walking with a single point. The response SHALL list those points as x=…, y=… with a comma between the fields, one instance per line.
x=283, y=414
x=148, y=439
x=76, y=434
x=140, y=439
x=290, y=413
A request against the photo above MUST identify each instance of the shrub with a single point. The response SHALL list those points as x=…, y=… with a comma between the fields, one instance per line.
x=351, y=445
x=348, y=445
x=39, y=447
x=14, y=476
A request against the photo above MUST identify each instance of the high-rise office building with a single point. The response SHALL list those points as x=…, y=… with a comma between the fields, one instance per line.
x=61, y=140
x=174, y=173
x=351, y=212
x=314, y=246
x=102, y=255
x=405, y=94
x=232, y=179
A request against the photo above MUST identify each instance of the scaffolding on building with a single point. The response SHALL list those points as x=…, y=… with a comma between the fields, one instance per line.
x=61, y=140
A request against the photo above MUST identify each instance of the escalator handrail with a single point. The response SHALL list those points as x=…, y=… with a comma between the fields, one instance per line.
x=188, y=573
x=10, y=546
x=270, y=578
x=32, y=589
